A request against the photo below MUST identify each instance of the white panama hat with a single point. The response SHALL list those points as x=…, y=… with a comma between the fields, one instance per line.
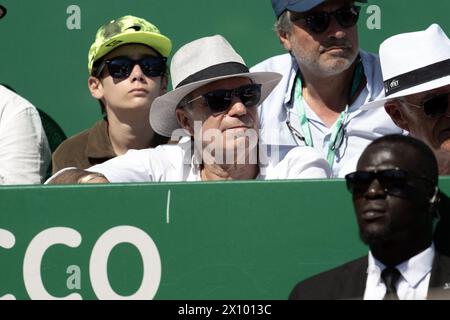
x=412, y=63
x=196, y=64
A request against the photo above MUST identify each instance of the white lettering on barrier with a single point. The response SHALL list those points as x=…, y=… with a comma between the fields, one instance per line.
x=74, y=280
x=98, y=265
x=7, y=241
x=33, y=259
x=73, y=22
x=374, y=20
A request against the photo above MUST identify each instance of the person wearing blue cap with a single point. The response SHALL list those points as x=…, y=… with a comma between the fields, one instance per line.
x=326, y=78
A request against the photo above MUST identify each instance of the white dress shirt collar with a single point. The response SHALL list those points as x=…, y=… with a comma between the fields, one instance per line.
x=414, y=281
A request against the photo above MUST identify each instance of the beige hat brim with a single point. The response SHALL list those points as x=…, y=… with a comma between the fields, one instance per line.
x=162, y=113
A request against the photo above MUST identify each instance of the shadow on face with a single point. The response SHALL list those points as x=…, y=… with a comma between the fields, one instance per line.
x=392, y=198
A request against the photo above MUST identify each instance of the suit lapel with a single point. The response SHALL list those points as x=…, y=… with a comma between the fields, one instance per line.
x=354, y=283
x=439, y=287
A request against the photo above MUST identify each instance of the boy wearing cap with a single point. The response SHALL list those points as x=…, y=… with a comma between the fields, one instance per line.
x=24, y=150
x=213, y=104
x=127, y=67
x=326, y=78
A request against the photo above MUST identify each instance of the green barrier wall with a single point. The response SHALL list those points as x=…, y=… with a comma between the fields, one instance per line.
x=44, y=48
x=237, y=240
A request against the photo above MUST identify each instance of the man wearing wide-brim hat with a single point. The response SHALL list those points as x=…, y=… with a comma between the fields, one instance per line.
x=213, y=107
x=416, y=75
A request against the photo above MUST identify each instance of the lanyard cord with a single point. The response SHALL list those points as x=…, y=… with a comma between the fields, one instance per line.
x=337, y=130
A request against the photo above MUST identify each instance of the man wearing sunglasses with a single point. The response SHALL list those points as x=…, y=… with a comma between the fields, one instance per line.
x=213, y=108
x=326, y=78
x=127, y=67
x=416, y=74
x=395, y=196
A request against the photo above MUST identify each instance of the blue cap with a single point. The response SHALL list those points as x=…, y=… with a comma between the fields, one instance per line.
x=279, y=6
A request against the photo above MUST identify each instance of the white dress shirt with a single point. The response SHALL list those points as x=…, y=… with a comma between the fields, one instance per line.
x=361, y=127
x=173, y=163
x=413, y=283
x=24, y=151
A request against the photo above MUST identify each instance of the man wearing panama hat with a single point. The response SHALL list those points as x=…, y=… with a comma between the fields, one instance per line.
x=127, y=71
x=416, y=75
x=213, y=105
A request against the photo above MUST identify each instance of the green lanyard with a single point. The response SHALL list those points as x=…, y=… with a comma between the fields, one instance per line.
x=337, y=130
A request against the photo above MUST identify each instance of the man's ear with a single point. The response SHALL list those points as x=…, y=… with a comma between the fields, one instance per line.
x=397, y=114
x=285, y=40
x=164, y=84
x=185, y=120
x=95, y=87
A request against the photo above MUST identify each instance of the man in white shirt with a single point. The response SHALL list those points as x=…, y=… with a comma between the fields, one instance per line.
x=395, y=196
x=213, y=107
x=416, y=73
x=326, y=78
x=24, y=151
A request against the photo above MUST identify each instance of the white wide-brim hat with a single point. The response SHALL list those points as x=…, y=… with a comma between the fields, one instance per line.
x=196, y=64
x=412, y=63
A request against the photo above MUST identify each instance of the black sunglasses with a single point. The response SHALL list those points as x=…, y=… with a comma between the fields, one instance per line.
x=219, y=101
x=394, y=181
x=433, y=107
x=319, y=21
x=121, y=67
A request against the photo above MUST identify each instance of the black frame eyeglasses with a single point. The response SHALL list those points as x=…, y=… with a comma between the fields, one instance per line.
x=319, y=21
x=394, y=181
x=433, y=107
x=219, y=101
x=121, y=67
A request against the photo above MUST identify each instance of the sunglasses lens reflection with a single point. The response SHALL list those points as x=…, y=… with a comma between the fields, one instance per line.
x=320, y=21
x=220, y=100
x=393, y=181
x=436, y=106
x=121, y=68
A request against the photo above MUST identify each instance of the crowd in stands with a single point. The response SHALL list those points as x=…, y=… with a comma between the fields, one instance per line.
x=324, y=109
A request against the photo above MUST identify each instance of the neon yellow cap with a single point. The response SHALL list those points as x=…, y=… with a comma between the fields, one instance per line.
x=127, y=29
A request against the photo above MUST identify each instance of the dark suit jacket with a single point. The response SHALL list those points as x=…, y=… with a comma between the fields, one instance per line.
x=349, y=282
